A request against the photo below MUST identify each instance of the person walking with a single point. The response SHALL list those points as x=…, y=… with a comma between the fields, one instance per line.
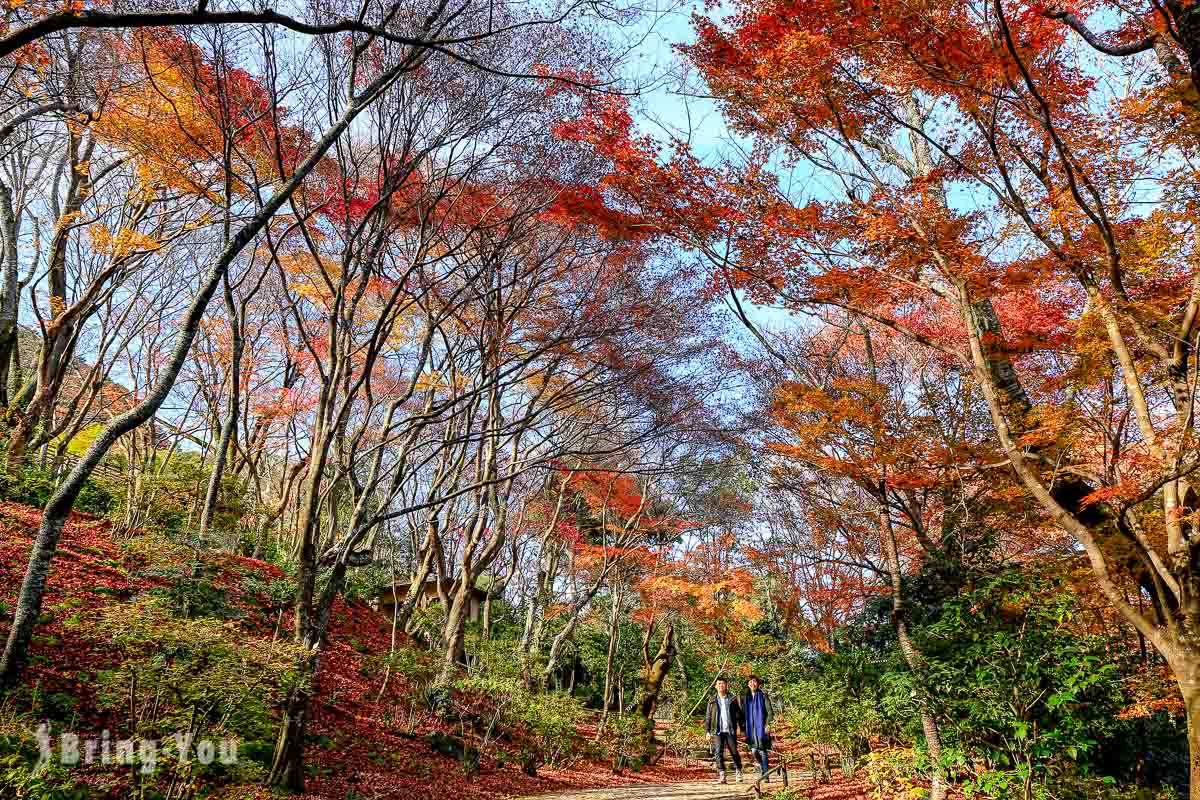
x=721, y=722
x=756, y=705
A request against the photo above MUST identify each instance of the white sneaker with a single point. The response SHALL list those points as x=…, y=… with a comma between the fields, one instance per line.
x=740, y=779
x=721, y=777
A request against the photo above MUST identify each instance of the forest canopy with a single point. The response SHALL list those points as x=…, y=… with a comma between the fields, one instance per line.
x=402, y=387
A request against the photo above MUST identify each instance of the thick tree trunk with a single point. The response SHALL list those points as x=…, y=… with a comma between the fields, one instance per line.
x=8, y=347
x=455, y=632
x=1187, y=23
x=657, y=671
x=287, y=763
x=19, y=436
x=1187, y=673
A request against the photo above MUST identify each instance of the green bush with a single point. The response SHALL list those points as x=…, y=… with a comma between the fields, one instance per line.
x=1025, y=695
x=21, y=776
x=683, y=738
x=194, y=675
x=551, y=720
x=840, y=700
x=1024, y=692
x=190, y=591
x=276, y=594
x=631, y=742
x=415, y=667
x=33, y=486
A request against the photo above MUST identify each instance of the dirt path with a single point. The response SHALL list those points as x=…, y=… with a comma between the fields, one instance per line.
x=696, y=790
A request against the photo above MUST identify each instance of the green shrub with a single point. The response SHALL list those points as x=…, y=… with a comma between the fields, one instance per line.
x=21, y=776
x=683, y=738
x=276, y=593
x=840, y=701
x=631, y=742
x=191, y=592
x=1022, y=692
x=194, y=675
x=416, y=667
x=551, y=719
x=427, y=624
x=33, y=486
x=369, y=582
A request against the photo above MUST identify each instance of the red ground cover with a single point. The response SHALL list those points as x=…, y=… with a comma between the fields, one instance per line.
x=362, y=751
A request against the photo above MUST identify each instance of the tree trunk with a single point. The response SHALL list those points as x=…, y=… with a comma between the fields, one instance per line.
x=416, y=588
x=1187, y=672
x=657, y=671
x=614, y=639
x=229, y=428
x=9, y=297
x=531, y=636
x=8, y=347
x=455, y=631
x=912, y=656
x=556, y=646
x=287, y=763
x=486, y=624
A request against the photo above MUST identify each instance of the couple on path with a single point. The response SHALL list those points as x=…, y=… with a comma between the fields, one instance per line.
x=753, y=714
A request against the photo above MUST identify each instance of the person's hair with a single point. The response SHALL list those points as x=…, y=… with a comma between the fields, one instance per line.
x=721, y=680
x=754, y=678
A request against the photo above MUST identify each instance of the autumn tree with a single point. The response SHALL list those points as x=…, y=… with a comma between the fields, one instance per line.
x=980, y=202
x=386, y=48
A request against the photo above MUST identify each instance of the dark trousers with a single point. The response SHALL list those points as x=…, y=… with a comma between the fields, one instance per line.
x=721, y=741
x=761, y=756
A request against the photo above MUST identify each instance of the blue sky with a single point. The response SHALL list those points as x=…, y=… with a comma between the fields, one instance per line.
x=674, y=105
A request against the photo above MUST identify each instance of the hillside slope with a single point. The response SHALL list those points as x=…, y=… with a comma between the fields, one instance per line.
x=147, y=637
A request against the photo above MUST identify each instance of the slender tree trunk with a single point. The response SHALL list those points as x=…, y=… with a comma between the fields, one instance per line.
x=9, y=298
x=912, y=656
x=416, y=585
x=614, y=640
x=556, y=645
x=486, y=624
x=287, y=763
x=229, y=428
x=531, y=636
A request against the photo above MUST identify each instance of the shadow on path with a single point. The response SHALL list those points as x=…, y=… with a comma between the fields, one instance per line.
x=697, y=790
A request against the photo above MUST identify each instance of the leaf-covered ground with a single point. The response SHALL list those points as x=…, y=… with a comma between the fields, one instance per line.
x=361, y=745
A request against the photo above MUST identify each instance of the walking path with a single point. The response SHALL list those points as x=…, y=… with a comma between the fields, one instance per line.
x=696, y=790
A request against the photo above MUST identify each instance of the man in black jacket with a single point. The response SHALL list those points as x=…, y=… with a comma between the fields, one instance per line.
x=721, y=722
